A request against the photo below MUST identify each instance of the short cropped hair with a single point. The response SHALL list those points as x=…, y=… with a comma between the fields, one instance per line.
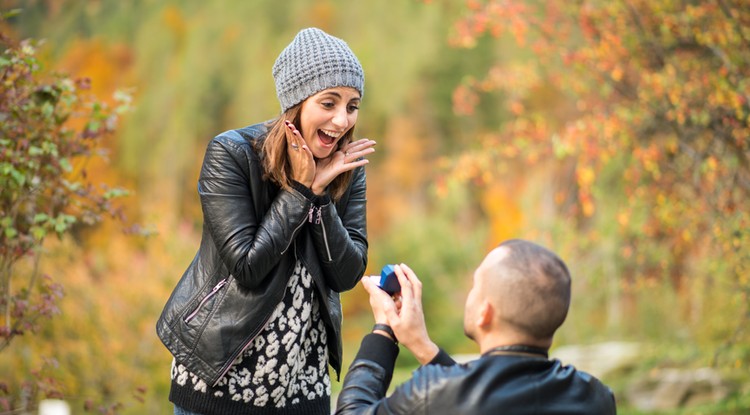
x=534, y=291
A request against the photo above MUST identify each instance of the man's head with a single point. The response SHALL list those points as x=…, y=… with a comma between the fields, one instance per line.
x=521, y=293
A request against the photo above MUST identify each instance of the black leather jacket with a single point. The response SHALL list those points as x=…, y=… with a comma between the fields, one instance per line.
x=501, y=384
x=253, y=233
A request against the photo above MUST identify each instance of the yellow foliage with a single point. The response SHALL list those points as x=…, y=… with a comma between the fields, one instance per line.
x=175, y=22
x=585, y=176
x=501, y=205
x=396, y=182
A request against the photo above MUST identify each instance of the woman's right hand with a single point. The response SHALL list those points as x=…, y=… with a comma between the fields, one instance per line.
x=300, y=157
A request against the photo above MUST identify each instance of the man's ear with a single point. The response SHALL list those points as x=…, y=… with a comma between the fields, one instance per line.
x=486, y=314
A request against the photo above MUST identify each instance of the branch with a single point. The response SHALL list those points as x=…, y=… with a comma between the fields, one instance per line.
x=658, y=51
x=7, y=265
x=736, y=24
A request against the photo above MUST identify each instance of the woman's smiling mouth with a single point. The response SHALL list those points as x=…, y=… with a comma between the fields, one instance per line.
x=328, y=137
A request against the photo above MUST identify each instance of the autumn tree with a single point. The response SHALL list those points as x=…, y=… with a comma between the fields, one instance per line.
x=50, y=128
x=643, y=102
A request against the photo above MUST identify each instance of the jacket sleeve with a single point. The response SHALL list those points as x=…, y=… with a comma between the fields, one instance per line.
x=340, y=238
x=442, y=359
x=369, y=377
x=250, y=243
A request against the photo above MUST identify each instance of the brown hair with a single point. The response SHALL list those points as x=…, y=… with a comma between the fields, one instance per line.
x=273, y=150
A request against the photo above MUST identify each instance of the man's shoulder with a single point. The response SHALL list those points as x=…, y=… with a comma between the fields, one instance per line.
x=583, y=384
x=486, y=384
x=438, y=377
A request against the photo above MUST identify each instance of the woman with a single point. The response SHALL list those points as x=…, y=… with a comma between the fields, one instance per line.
x=255, y=320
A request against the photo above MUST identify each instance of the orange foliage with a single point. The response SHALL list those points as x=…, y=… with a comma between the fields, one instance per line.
x=654, y=94
x=501, y=205
x=396, y=182
x=109, y=64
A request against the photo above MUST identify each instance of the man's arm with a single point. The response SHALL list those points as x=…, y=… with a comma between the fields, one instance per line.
x=442, y=359
x=369, y=377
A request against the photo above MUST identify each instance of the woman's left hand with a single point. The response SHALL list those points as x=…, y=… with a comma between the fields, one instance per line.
x=348, y=158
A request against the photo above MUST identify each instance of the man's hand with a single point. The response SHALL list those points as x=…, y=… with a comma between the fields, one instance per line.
x=407, y=322
x=379, y=299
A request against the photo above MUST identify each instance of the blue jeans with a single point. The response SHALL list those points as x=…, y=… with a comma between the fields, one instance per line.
x=180, y=411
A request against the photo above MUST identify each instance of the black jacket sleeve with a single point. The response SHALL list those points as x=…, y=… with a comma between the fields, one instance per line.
x=369, y=377
x=250, y=243
x=340, y=238
x=442, y=358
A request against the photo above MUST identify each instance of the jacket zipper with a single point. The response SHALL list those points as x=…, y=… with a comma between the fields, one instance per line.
x=319, y=220
x=208, y=296
x=309, y=215
x=231, y=360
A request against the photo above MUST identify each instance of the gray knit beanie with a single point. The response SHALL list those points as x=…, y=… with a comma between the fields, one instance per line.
x=315, y=61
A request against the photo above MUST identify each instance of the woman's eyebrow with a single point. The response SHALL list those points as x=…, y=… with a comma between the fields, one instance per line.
x=338, y=95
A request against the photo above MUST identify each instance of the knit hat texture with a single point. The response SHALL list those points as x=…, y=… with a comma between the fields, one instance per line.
x=315, y=61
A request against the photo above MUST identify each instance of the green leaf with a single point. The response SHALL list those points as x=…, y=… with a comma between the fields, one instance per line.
x=48, y=109
x=10, y=13
x=40, y=217
x=116, y=192
x=93, y=126
x=60, y=226
x=20, y=178
x=38, y=232
x=63, y=222
x=65, y=164
x=10, y=233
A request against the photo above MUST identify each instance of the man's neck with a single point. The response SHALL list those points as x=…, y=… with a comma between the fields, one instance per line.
x=496, y=340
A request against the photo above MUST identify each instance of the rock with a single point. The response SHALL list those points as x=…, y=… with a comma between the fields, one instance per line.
x=677, y=388
x=599, y=359
x=54, y=407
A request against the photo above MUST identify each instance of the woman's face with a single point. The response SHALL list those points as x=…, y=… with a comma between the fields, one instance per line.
x=326, y=116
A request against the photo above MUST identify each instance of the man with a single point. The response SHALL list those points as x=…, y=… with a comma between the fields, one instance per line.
x=520, y=296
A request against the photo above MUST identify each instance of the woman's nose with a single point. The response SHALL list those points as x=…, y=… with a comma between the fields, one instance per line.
x=340, y=118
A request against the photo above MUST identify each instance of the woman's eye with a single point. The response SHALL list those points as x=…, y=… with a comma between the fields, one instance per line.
x=327, y=104
x=353, y=108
